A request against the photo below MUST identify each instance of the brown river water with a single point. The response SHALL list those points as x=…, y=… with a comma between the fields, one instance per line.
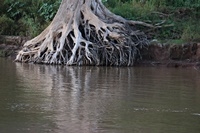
x=61, y=99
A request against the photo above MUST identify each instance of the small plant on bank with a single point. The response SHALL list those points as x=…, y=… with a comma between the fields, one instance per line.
x=7, y=25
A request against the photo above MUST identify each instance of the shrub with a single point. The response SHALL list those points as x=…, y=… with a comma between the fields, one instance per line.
x=191, y=32
x=48, y=10
x=7, y=25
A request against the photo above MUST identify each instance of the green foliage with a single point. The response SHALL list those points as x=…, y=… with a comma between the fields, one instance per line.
x=183, y=3
x=184, y=14
x=48, y=10
x=7, y=25
x=30, y=20
x=29, y=27
x=191, y=32
x=15, y=9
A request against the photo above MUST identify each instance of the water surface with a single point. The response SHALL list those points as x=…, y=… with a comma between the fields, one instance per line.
x=60, y=99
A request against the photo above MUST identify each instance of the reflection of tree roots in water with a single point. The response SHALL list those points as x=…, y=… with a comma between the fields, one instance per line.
x=82, y=98
x=74, y=78
x=77, y=95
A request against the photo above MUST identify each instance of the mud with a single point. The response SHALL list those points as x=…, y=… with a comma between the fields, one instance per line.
x=171, y=55
x=10, y=45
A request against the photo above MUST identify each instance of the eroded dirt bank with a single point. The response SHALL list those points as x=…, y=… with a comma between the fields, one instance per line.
x=168, y=55
x=171, y=55
x=9, y=45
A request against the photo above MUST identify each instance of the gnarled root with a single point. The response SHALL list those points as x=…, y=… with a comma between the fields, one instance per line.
x=87, y=34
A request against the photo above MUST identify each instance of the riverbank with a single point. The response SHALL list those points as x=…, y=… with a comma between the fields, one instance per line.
x=156, y=54
x=171, y=55
x=10, y=45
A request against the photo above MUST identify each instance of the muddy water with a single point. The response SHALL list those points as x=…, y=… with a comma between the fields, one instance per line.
x=56, y=99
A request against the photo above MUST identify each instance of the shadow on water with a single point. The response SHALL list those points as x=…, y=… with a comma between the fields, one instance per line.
x=62, y=99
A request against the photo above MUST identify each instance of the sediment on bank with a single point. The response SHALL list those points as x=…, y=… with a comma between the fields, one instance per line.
x=156, y=54
x=9, y=45
x=171, y=55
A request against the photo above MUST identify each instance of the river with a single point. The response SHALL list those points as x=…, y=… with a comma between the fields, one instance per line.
x=60, y=99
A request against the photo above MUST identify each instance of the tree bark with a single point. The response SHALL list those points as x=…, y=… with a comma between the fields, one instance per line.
x=85, y=32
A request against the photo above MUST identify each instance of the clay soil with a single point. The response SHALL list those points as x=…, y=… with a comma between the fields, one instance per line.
x=10, y=45
x=171, y=55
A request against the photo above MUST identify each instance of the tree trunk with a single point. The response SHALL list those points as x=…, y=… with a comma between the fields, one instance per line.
x=84, y=32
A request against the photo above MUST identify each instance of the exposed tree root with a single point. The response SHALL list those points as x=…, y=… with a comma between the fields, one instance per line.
x=84, y=32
